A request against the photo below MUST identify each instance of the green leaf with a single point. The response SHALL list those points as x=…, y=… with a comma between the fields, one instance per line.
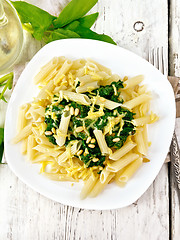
x=60, y=33
x=73, y=11
x=88, y=20
x=72, y=26
x=5, y=77
x=1, y=143
x=2, y=84
x=38, y=18
x=9, y=78
x=3, y=98
x=87, y=33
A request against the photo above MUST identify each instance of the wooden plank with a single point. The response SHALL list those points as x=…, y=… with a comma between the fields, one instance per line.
x=174, y=67
x=25, y=214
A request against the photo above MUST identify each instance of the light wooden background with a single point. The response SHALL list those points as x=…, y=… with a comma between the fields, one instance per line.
x=26, y=215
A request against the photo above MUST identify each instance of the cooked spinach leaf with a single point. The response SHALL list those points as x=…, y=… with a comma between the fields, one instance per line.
x=111, y=91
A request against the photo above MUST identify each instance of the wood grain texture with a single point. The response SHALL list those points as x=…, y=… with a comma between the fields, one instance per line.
x=25, y=214
x=28, y=215
x=174, y=64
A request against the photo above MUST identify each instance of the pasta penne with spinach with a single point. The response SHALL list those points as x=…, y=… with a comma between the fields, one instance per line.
x=86, y=124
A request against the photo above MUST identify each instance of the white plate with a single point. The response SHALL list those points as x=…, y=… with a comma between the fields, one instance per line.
x=124, y=63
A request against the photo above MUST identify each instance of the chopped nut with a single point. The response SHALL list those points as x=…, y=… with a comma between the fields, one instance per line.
x=79, y=129
x=71, y=110
x=91, y=145
x=48, y=133
x=76, y=112
x=53, y=130
x=116, y=140
x=95, y=159
x=79, y=152
x=88, y=139
x=145, y=160
x=93, y=140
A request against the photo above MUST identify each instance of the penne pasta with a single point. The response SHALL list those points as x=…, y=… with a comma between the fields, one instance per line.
x=108, y=103
x=31, y=143
x=141, y=144
x=137, y=101
x=24, y=133
x=63, y=70
x=48, y=150
x=100, y=67
x=88, y=186
x=77, y=97
x=46, y=70
x=24, y=146
x=43, y=94
x=98, y=188
x=86, y=124
x=87, y=87
x=63, y=128
x=122, y=162
x=125, y=175
x=69, y=152
x=42, y=140
x=21, y=116
x=127, y=147
x=104, y=175
x=132, y=82
x=142, y=120
x=101, y=142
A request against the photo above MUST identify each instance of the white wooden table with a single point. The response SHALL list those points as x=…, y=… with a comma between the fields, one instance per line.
x=26, y=215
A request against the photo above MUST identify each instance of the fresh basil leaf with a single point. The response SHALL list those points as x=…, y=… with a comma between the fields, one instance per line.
x=87, y=33
x=60, y=33
x=88, y=20
x=38, y=18
x=73, y=11
x=72, y=26
x=1, y=143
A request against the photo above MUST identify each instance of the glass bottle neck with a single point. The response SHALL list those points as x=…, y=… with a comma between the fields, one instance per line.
x=3, y=19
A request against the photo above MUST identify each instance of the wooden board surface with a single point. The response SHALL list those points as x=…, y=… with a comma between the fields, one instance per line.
x=25, y=214
x=174, y=69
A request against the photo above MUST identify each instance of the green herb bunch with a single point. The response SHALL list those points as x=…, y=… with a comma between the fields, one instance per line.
x=71, y=22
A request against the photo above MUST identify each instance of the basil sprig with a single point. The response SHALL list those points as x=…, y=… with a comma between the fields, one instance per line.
x=71, y=22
